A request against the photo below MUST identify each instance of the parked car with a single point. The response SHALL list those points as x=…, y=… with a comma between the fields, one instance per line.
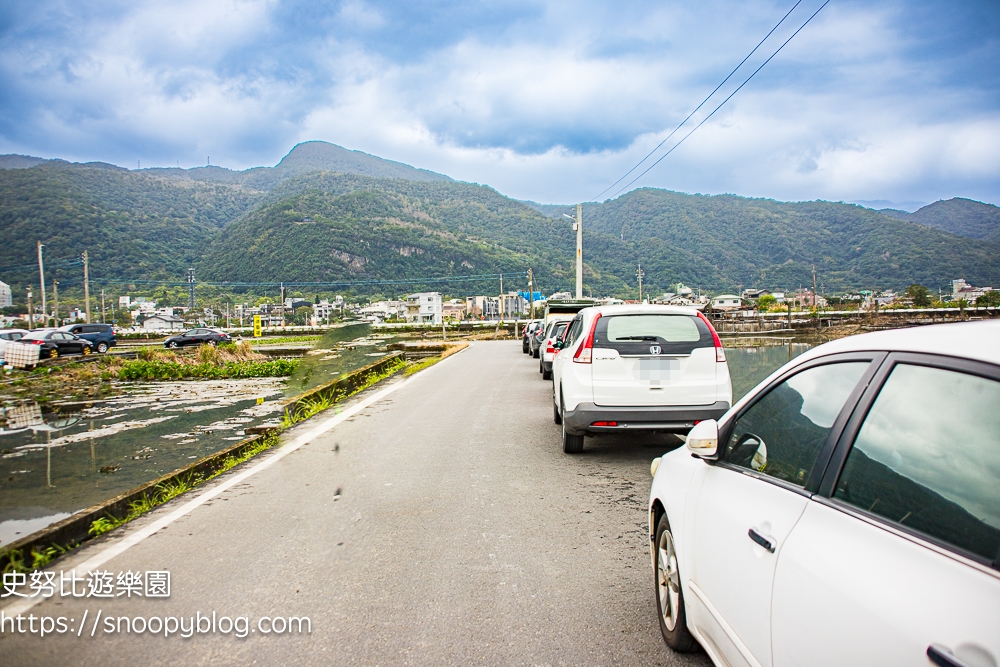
x=198, y=336
x=846, y=511
x=535, y=341
x=55, y=343
x=638, y=368
x=527, y=331
x=101, y=335
x=547, y=349
x=9, y=335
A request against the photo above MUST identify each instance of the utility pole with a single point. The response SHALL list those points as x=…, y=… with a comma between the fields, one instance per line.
x=579, y=251
x=31, y=315
x=86, y=284
x=531, y=295
x=639, y=274
x=41, y=277
x=55, y=298
x=500, y=312
x=191, y=300
x=282, y=285
x=104, y=315
x=815, y=302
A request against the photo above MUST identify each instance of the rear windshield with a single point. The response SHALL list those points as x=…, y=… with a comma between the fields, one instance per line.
x=556, y=329
x=635, y=334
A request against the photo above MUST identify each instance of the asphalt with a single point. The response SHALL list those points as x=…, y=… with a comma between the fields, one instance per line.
x=463, y=535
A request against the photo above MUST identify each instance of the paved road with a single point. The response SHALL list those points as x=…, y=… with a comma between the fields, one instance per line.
x=463, y=536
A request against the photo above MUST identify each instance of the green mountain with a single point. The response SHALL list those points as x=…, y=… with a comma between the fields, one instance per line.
x=964, y=217
x=325, y=214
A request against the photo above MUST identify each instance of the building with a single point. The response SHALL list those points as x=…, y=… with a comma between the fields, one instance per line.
x=6, y=298
x=963, y=290
x=455, y=309
x=726, y=302
x=424, y=307
x=124, y=302
x=324, y=310
x=809, y=299
x=383, y=310
x=514, y=305
x=163, y=323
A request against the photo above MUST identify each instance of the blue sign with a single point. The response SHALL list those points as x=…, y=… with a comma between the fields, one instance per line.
x=537, y=296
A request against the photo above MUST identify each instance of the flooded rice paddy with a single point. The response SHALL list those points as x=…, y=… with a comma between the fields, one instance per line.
x=71, y=455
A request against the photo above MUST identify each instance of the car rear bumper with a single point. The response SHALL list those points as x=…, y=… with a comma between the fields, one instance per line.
x=678, y=419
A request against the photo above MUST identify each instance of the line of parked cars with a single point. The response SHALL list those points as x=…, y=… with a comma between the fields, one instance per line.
x=845, y=511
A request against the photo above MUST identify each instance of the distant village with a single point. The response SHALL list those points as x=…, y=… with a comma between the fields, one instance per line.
x=144, y=313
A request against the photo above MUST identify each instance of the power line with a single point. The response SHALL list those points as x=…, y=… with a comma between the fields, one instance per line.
x=745, y=82
x=729, y=76
x=408, y=281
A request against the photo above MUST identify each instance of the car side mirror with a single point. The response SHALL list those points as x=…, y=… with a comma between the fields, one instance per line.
x=703, y=439
x=558, y=345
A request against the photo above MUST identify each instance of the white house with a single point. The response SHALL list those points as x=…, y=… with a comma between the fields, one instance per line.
x=163, y=323
x=726, y=302
x=6, y=298
x=424, y=307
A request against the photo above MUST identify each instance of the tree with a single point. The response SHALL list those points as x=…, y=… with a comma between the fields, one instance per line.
x=765, y=302
x=303, y=315
x=124, y=318
x=919, y=294
x=991, y=298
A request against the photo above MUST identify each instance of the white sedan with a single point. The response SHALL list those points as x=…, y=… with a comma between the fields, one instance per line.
x=845, y=512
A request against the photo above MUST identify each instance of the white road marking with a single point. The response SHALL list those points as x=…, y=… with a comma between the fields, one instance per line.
x=118, y=548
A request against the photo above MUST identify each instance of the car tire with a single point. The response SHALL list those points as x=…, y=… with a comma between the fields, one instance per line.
x=53, y=353
x=173, y=345
x=86, y=350
x=213, y=343
x=546, y=375
x=102, y=347
x=537, y=350
x=572, y=444
x=556, y=417
x=667, y=581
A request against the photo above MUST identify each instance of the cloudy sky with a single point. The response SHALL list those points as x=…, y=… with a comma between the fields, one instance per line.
x=895, y=100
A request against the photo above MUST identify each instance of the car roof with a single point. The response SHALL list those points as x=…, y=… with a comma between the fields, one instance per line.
x=979, y=341
x=642, y=309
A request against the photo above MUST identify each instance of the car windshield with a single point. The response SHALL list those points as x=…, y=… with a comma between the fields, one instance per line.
x=635, y=334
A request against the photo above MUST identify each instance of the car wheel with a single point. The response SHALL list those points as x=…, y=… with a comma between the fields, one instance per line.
x=86, y=350
x=53, y=353
x=102, y=347
x=173, y=344
x=536, y=353
x=546, y=375
x=213, y=343
x=669, y=596
x=572, y=444
x=556, y=417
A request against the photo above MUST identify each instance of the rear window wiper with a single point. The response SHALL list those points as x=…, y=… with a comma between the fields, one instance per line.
x=638, y=338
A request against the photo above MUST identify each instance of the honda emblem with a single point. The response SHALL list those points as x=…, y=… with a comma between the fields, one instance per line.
x=654, y=349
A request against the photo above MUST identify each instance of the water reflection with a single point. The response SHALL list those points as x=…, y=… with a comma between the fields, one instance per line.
x=69, y=456
x=339, y=351
x=750, y=364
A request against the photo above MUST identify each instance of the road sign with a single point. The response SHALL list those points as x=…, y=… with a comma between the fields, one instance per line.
x=256, y=326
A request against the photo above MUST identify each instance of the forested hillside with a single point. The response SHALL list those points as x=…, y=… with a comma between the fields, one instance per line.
x=293, y=222
x=963, y=217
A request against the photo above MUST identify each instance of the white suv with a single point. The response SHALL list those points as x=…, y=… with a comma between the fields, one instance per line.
x=641, y=367
x=844, y=512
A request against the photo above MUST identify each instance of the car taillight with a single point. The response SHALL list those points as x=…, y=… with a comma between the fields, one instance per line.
x=585, y=352
x=37, y=342
x=605, y=424
x=720, y=353
x=549, y=349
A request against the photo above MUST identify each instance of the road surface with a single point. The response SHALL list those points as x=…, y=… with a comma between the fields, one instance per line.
x=462, y=535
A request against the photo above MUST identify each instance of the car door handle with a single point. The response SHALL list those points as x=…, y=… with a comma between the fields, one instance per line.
x=761, y=540
x=943, y=657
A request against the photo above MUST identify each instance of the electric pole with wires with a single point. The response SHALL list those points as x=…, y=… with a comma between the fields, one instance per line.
x=639, y=274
